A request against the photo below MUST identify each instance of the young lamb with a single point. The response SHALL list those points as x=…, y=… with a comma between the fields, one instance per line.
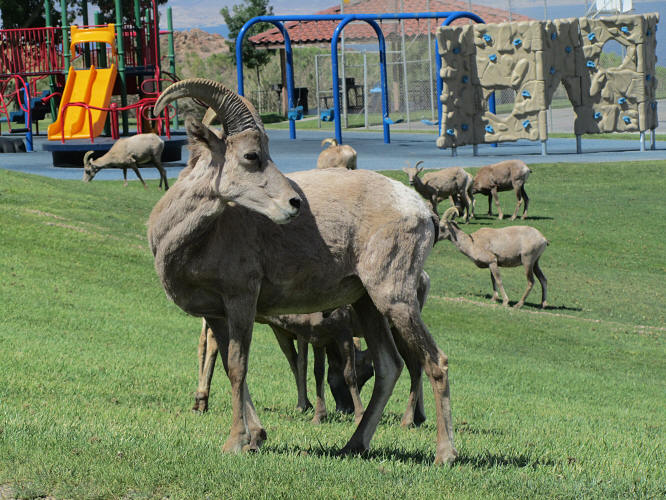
x=495, y=248
x=452, y=183
x=128, y=152
x=337, y=156
x=503, y=176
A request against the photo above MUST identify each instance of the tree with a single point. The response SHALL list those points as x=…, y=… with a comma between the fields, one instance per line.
x=23, y=14
x=108, y=9
x=253, y=58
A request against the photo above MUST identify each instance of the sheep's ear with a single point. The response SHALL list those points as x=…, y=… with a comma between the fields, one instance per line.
x=198, y=133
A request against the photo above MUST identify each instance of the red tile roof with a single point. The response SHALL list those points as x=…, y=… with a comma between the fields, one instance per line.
x=317, y=32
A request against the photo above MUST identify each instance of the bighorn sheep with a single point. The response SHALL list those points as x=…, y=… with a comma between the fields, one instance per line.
x=349, y=367
x=506, y=247
x=452, y=183
x=503, y=176
x=234, y=239
x=337, y=156
x=128, y=152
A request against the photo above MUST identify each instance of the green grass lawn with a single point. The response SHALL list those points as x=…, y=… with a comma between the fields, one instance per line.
x=98, y=369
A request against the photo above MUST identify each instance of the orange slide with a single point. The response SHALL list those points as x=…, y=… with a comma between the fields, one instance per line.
x=91, y=86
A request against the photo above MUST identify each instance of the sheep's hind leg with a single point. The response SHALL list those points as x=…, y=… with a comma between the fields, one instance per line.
x=387, y=364
x=527, y=201
x=544, y=283
x=286, y=344
x=207, y=355
x=346, y=347
x=320, y=413
x=500, y=215
x=530, y=283
x=407, y=322
x=163, y=175
x=519, y=201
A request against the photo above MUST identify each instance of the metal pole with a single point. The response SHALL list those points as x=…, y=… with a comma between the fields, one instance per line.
x=365, y=87
x=121, y=63
x=101, y=61
x=344, y=76
x=432, y=95
x=172, y=58
x=86, y=47
x=52, y=81
x=65, y=33
x=138, y=41
x=316, y=58
x=404, y=68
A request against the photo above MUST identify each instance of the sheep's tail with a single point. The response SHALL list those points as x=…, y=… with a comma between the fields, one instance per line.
x=329, y=140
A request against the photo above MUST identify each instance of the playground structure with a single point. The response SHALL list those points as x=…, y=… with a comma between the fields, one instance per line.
x=343, y=20
x=33, y=54
x=532, y=58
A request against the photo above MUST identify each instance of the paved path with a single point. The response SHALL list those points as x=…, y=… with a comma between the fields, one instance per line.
x=373, y=154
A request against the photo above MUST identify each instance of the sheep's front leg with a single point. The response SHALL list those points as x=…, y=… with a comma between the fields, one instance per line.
x=497, y=280
x=233, y=338
x=302, y=374
x=493, y=191
x=163, y=175
x=319, y=373
x=135, y=167
x=207, y=355
x=346, y=346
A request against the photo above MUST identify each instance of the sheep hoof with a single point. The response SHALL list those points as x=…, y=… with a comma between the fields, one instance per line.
x=353, y=449
x=513, y=218
x=518, y=305
x=544, y=304
x=505, y=303
x=446, y=456
x=500, y=217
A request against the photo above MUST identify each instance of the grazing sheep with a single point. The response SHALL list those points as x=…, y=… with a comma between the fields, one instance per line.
x=128, y=152
x=235, y=239
x=337, y=156
x=503, y=176
x=494, y=248
x=452, y=183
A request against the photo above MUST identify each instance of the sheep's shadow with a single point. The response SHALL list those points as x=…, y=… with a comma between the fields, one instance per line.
x=382, y=453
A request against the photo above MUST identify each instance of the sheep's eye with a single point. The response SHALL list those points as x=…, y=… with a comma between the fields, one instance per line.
x=251, y=156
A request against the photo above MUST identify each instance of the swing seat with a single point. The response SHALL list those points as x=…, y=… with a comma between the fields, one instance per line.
x=328, y=115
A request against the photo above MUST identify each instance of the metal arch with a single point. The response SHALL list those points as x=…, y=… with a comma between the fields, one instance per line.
x=336, y=85
x=290, y=62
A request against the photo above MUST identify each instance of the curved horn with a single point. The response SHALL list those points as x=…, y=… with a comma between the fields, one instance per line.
x=450, y=213
x=86, y=157
x=329, y=140
x=229, y=106
x=418, y=163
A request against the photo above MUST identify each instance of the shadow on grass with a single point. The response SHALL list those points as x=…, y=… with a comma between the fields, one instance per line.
x=528, y=305
x=484, y=461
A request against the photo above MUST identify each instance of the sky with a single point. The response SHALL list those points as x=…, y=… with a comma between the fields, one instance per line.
x=203, y=13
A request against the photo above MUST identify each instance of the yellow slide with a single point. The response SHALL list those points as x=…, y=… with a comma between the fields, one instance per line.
x=91, y=86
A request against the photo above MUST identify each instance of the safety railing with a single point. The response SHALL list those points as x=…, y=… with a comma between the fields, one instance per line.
x=31, y=51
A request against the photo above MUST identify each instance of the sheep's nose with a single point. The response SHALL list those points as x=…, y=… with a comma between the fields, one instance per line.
x=295, y=202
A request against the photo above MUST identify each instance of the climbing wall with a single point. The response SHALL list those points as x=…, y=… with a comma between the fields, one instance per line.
x=620, y=99
x=532, y=58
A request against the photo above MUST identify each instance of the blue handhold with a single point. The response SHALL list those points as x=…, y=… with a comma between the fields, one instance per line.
x=450, y=131
x=590, y=64
x=487, y=37
x=553, y=36
x=552, y=70
x=517, y=42
x=624, y=29
x=490, y=129
x=591, y=36
x=526, y=124
x=492, y=57
x=622, y=100
x=597, y=116
x=648, y=77
x=568, y=49
x=456, y=50
x=465, y=79
x=465, y=127
x=626, y=120
x=526, y=93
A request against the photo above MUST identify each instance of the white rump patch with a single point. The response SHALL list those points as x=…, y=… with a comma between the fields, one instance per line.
x=408, y=201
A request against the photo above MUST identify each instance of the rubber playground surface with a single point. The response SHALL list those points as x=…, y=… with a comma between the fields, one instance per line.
x=301, y=153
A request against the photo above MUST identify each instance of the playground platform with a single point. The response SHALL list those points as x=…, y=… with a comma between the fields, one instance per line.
x=373, y=154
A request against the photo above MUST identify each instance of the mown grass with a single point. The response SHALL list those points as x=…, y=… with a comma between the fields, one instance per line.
x=97, y=368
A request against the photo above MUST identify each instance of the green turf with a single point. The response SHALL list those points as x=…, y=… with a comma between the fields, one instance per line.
x=97, y=368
